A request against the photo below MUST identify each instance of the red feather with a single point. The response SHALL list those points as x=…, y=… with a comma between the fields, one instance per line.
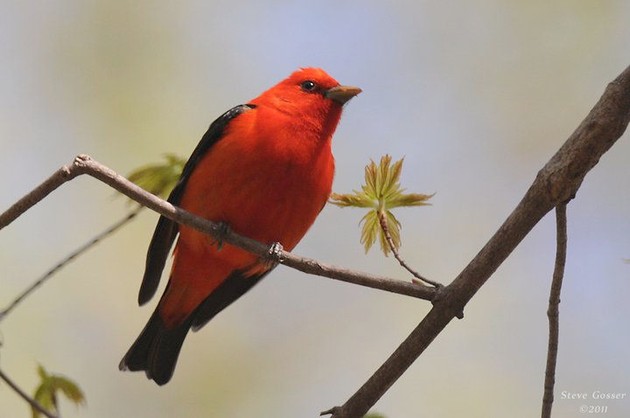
x=266, y=170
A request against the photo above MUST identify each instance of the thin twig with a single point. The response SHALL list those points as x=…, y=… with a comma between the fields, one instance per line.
x=59, y=177
x=553, y=312
x=113, y=228
x=84, y=164
x=557, y=182
x=382, y=219
x=25, y=396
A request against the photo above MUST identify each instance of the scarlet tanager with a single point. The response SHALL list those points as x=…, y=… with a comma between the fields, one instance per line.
x=265, y=169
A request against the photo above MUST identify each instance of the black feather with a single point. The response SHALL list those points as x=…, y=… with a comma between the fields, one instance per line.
x=166, y=229
x=157, y=348
x=235, y=286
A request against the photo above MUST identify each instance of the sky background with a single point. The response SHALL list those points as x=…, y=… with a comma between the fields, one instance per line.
x=476, y=96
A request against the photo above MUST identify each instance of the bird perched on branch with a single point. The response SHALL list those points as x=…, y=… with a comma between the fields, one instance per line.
x=265, y=169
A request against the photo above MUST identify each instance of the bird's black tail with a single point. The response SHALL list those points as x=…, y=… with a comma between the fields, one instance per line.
x=156, y=349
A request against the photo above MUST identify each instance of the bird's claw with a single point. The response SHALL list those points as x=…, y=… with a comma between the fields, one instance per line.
x=222, y=230
x=274, y=254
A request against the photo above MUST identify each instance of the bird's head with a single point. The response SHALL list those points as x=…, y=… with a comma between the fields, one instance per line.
x=309, y=93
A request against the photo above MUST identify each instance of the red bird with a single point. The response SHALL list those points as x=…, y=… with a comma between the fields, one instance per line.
x=264, y=168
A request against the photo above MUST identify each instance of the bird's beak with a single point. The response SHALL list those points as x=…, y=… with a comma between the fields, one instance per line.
x=341, y=94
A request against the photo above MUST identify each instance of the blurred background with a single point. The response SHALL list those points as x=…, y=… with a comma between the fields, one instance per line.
x=476, y=97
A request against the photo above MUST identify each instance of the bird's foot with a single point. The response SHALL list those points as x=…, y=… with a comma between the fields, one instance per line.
x=274, y=254
x=222, y=230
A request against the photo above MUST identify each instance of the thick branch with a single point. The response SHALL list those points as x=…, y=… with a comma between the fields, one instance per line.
x=553, y=312
x=556, y=183
x=83, y=164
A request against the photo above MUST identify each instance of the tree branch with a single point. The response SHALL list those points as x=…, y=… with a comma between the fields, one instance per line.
x=382, y=219
x=68, y=259
x=84, y=164
x=553, y=312
x=556, y=183
x=58, y=178
x=25, y=396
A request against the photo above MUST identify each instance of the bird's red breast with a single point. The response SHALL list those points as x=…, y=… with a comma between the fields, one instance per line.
x=266, y=170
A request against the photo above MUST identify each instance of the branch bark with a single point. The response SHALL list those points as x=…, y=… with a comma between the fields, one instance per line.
x=35, y=285
x=553, y=312
x=556, y=183
x=32, y=402
x=382, y=220
x=83, y=164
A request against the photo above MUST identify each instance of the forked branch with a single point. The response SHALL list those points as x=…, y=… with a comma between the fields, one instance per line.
x=553, y=312
x=418, y=278
x=556, y=183
x=84, y=164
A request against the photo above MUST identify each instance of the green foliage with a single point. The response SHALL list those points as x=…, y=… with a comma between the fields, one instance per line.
x=381, y=193
x=50, y=385
x=374, y=415
x=159, y=178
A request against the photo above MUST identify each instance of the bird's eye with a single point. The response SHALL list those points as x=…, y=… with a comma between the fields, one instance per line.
x=308, y=86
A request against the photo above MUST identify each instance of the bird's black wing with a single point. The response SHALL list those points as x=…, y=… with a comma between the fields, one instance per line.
x=232, y=288
x=166, y=229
